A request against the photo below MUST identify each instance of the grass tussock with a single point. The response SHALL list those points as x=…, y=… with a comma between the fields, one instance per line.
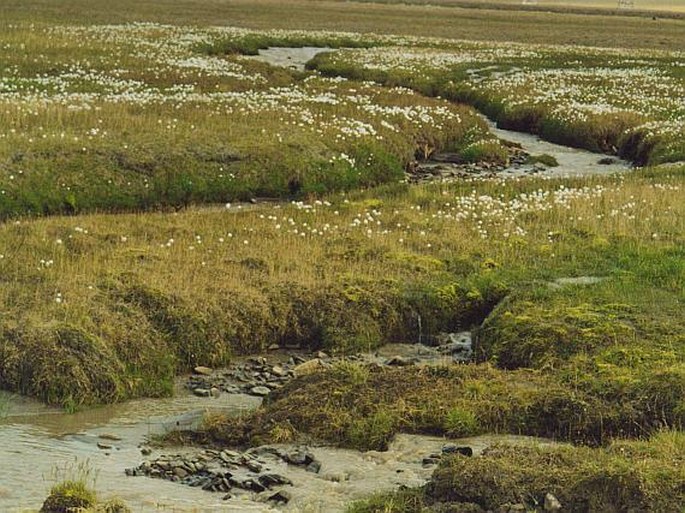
x=339, y=407
x=647, y=476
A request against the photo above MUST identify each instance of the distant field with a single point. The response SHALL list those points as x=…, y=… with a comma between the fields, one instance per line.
x=644, y=5
x=416, y=20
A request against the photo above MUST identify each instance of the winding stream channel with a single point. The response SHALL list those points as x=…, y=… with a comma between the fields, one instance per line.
x=35, y=439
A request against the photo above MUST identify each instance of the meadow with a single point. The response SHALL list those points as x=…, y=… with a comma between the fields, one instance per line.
x=132, y=135
x=630, y=103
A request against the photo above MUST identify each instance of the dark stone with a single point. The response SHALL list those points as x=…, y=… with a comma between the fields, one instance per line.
x=299, y=458
x=270, y=480
x=314, y=467
x=454, y=449
x=280, y=497
x=399, y=361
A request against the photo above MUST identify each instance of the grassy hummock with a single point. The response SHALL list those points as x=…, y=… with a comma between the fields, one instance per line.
x=628, y=475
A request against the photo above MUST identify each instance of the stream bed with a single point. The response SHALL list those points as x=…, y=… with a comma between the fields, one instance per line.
x=37, y=441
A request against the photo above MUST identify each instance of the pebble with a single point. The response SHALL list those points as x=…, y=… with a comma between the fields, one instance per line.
x=204, y=371
x=454, y=449
x=259, y=373
x=552, y=503
x=109, y=436
x=280, y=497
x=260, y=391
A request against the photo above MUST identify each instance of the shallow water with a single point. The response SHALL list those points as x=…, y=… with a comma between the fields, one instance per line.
x=294, y=58
x=572, y=161
x=34, y=440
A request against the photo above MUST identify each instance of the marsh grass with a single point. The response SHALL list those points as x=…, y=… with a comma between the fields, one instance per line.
x=569, y=28
x=644, y=475
x=84, y=294
x=588, y=98
x=127, y=117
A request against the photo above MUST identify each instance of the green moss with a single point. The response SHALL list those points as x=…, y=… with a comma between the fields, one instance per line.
x=547, y=160
x=486, y=151
x=582, y=479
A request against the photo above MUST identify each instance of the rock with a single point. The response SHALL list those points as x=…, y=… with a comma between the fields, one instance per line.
x=300, y=458
x=260, y=391
x=308, y=367
x=430, y=461
x=278, y=371
x=336, y=477
x=552, y=503
x=253, y=466
x=109, y=436
x=269, y=480
x=280, y=497
x=399, y=361
x=214, y=392
x=606, y=161
x=255, y=486
x=314, y=467
x=203, y=371
x=229, y=456
x=164, y=465
x=274, y=347
x=321, y=355
x=145, y=451
x=180, y=472
x=454, y=449
x=201, y=392
x=104, y=447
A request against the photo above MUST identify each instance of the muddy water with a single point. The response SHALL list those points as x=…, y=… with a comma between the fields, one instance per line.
x=294, y=58
x=34, y=440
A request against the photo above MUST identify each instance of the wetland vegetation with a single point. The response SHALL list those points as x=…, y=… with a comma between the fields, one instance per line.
x=169, y=203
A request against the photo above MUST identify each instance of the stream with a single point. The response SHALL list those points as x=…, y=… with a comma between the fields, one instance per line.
x=35, y=439
x=38, y=443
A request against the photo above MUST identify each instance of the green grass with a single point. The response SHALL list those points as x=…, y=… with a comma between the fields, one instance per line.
x=643, y=475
